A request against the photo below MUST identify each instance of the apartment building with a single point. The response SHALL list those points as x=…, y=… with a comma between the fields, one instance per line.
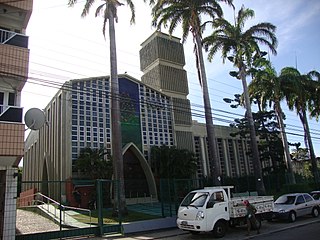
x=14, y=61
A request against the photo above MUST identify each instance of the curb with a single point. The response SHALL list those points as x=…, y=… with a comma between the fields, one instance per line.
x=150, y=225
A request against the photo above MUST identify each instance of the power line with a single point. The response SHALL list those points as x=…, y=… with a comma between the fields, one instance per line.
x=59, y=69
x=216, y=117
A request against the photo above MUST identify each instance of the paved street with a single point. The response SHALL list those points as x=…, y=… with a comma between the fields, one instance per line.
x=274, y=228
x=309, y=232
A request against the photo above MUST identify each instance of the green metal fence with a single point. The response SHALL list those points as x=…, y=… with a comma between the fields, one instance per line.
x=99, y=198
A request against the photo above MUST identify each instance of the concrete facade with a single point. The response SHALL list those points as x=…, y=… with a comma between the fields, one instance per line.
x=14, y=61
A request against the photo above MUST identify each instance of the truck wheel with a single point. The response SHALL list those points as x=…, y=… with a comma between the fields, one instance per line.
x=315, y=212
x=219, y=229
x=292, y=217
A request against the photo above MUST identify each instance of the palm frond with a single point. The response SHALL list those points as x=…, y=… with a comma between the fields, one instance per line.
x=133, y=12
x=87, y=8
x=243, y=15
x=71, y=3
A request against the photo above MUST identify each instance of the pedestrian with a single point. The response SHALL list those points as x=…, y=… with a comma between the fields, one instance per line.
x=77, y=196
x=252, y=222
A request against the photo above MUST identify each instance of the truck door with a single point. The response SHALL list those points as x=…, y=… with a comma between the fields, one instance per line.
x=217, y=208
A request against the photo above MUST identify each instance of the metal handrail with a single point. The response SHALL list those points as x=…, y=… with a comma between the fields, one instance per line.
x=6, y=35
x=61, y=206
x=13, y=38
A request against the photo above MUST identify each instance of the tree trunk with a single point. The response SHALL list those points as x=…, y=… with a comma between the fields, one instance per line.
x=119, y=193
x=254, y=145
x=304, y=121
x=212, y=143
x=283, y=134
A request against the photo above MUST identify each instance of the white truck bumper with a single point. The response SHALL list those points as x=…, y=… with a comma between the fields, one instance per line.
x=195, y=225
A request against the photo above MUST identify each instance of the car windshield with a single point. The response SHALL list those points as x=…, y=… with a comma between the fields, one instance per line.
x=285, y=200
x=196, y=199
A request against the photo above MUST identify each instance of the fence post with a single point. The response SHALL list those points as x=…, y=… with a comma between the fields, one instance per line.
x=59, y=206
x=100, y=207
x=170, y=201
x=162, y=197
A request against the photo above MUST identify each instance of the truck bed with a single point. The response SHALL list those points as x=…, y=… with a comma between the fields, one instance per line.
x=263, y=204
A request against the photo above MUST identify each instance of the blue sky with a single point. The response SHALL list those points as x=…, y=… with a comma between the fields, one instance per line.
x=65, y=46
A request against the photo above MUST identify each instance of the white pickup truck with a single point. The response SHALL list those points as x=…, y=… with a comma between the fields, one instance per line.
x=212, y=209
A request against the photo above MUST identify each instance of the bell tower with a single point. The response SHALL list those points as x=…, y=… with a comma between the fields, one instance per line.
x=162, y=61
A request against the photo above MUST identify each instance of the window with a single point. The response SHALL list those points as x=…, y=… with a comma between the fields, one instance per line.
x=11, y=99
x=218, y=197
x=307, y=197
x=1, y=101
x=300, y=199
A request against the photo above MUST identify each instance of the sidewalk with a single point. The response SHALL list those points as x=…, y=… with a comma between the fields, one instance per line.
x=232, y=234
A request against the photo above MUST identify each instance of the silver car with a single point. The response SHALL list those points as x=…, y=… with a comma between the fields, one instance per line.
x=293, y=205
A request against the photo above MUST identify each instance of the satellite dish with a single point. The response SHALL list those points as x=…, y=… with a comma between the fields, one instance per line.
x=34, y=118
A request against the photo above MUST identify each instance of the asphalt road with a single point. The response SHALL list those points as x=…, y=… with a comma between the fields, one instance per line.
x=307, y=232
x=307, y=228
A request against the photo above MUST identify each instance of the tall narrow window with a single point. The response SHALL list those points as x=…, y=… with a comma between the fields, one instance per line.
x=1, y=101
x=11, y=101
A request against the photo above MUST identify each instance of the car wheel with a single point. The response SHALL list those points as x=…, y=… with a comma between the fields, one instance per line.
x=194, y=232
x=292, y=217
x=315, y=212
x=219, y=229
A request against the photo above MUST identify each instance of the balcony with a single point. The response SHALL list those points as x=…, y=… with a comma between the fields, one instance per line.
x=11, y=136
x=20, y=11
x=24, y=5
x=14, y=58
x=14, y=39
x=10, y=114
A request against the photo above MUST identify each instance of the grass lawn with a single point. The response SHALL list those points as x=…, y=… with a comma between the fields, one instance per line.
x=108, y=218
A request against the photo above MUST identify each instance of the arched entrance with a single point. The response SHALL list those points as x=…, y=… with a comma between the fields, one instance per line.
x=138, y=177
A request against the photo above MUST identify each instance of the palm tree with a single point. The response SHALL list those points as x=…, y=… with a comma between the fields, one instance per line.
x=173, y=163
x=243, y=45
x=300, y=99
x=93, y=163
x=314, y=103
x=188, y=13
x=270, y=88
x=108, y=9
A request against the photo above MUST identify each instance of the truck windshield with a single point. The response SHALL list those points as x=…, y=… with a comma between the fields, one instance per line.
x=196, y=199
